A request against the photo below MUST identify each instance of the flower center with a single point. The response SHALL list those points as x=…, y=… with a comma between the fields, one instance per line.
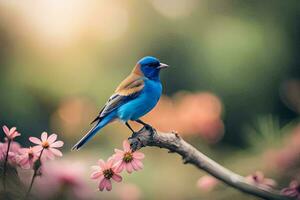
x=127, y=157
x=108, y=173
x=255, y=178
x=30, y=155
x=45, y=144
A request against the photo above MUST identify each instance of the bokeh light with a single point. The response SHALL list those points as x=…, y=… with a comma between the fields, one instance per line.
x=190, y=114
x=175, y=8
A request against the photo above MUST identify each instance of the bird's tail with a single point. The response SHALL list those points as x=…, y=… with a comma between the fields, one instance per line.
x=91, y=133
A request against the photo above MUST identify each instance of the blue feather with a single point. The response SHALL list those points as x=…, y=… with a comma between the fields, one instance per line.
x=93, y=131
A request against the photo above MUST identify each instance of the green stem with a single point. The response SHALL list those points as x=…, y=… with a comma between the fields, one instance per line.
x=36, y=169
x=5, y=164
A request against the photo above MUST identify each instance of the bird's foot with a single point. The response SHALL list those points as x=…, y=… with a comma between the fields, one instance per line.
x=139, y=139
x=148, y=127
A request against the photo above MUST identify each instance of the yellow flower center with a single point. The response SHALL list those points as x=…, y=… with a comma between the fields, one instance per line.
x=108, y=173
x=45, y=144
x=127, y=157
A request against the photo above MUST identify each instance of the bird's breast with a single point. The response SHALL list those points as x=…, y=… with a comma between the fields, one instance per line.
x=145, y=102
x=153, y=88
x=150, y=95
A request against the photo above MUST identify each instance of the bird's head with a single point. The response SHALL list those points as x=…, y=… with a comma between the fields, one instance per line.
x=149, y=67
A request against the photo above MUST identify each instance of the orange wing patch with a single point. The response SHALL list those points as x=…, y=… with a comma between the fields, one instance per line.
x=132, y=88
x=137, y=70
x=133, y=83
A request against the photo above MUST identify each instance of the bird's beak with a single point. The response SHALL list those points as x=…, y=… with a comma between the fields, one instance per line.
x=162, y=65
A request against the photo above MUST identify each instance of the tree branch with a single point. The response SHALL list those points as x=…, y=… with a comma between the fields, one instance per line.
x=148, y=136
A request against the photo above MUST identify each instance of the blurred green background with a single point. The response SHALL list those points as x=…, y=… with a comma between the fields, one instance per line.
x=234, y=85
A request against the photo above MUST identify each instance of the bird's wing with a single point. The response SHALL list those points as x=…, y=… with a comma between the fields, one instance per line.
x=129, y=89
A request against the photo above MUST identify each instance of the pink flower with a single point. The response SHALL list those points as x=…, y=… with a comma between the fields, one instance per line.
x=207, y=183
x=105, y=171
x=13, y=152
x=292, y=191
x=258, y=178
x=48, y=145
x=127, y=159
x=3, y=149
x=10, y=133
x=64, y=178
x=27, y=157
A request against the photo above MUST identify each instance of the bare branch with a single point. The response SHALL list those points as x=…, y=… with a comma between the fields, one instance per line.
x=175, y=144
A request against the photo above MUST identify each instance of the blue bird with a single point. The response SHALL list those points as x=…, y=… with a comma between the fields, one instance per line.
x=133, y=98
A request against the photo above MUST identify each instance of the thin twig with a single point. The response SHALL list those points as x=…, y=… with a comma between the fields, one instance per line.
x=174, y=143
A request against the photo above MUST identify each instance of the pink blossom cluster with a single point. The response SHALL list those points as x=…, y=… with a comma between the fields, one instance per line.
x=122, y=160
x=258, y=178
x=13, y=155
x=293, y=190
x=17, y=156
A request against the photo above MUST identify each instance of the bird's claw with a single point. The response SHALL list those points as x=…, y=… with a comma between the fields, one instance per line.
x=148, y=127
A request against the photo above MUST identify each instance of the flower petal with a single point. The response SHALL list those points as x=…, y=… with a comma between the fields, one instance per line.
x=56, y=152
x=96, y=174
x=134, y=165
x=16, y=134
x=57, y=144
x=126, y=145
x=119, y=167
x=102, y=184
x=5, y=130
x=12, y=130
x=117, y=177
x=23, y=150
x=108, y=185
x=52, y=138
x=102, y=164
x=138, y=155
x=44, y=136
x=35, y=140
x=37, y=148
x=110, y=162
x=105, y=183
x=22, y=160
x=129, y=168
x=119, y=151
x=118, y=156
x=48, y=154
x=139, y=164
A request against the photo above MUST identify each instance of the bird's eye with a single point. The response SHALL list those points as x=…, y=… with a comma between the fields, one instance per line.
x=153, y=64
